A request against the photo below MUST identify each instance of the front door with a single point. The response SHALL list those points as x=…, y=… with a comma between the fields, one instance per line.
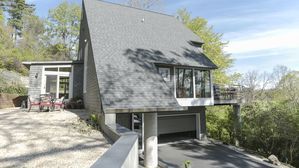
x=57, y=82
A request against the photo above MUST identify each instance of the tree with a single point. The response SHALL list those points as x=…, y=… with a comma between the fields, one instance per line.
x=212, y=47
x=17, y=9
x=1, y=16
x=63, y=29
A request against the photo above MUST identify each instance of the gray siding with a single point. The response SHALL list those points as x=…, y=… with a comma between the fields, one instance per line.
x=35, y=83
x=78, y=80
x=92, y=96
x=92, y=100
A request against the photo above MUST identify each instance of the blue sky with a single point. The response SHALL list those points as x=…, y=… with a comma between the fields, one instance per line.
x=261, y=33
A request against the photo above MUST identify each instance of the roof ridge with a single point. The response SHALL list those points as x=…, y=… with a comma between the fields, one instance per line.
x=146, y=10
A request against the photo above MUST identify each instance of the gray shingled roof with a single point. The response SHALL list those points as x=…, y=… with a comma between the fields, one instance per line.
x=126, y=43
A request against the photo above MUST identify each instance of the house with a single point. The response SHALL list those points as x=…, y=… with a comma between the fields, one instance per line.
x=141, y=69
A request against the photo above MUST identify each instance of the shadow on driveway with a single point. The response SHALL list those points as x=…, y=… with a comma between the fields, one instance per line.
x=205, y=154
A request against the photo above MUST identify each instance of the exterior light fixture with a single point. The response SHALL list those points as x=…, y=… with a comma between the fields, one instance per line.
x=36, y=76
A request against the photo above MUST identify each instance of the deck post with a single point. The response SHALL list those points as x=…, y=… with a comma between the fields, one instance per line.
x=201, y=131
x=150, y=140
x=237, y=123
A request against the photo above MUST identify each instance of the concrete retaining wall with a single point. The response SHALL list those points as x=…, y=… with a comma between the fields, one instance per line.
x=123, y=153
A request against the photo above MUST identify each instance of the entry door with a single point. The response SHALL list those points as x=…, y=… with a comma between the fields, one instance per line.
x=51, y=84
x=57, y=85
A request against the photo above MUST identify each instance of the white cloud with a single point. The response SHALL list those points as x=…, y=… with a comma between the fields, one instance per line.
x=280, y=39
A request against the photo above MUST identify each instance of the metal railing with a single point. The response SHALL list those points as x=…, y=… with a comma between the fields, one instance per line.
x=224, y=92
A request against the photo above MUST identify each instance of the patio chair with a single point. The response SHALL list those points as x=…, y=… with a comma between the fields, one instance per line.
x=59, y=103
x=46, y=101
x=33, y=102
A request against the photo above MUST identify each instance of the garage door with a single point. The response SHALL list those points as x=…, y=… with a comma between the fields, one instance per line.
x=175, y=124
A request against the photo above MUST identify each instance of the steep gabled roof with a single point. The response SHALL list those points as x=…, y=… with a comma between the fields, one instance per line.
x=126, y=44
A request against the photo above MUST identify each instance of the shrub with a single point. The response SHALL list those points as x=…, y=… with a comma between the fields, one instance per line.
x=14, y=89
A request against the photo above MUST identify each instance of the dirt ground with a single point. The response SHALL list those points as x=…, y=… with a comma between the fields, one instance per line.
x=48, y=139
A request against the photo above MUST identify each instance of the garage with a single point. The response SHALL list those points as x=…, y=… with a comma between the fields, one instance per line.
x=176, y=127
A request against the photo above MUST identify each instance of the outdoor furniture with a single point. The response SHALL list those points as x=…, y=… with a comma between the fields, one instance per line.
x=33, y=102
x=46, y=101
x=59, y=103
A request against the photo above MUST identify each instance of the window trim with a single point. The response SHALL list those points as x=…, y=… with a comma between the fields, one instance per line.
x=193, y=76
x=58, y=74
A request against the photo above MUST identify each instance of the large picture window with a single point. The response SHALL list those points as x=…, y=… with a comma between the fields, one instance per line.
x=187, y=88
x=202, y=84
x=184, y=83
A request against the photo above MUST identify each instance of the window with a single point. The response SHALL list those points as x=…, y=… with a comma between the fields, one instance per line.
x=51, y=69
x=193, y=83
x=165, y=73
x=202, y=84
x=184, y=83
x=65, y=69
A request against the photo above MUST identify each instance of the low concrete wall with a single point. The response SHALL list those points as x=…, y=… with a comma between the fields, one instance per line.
x=123, y=153
x=11, y=100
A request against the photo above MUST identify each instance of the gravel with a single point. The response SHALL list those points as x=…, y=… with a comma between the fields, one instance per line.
x=48, y=139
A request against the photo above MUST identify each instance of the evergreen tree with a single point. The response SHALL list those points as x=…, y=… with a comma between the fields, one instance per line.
x=17, y=9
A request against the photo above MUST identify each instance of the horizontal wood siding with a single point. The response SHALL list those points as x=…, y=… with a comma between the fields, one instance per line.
x=35, y=83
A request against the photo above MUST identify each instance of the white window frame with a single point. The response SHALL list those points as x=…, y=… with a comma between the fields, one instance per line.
x=193, y=101
x=58, y=74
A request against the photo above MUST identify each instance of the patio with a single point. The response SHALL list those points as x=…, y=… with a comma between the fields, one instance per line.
x=48, y=139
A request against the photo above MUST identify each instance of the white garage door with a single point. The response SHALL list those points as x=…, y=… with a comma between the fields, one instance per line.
x=174, y=124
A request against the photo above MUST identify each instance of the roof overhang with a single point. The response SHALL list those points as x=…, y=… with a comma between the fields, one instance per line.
x=144, y=110
x=27, y=64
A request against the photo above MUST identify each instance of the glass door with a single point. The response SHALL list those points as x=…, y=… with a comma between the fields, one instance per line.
x=57, y=81
x=51, y=84
x=64, y=82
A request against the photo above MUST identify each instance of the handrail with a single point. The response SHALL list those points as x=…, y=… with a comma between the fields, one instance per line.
x=123, y=153
x=227, y=92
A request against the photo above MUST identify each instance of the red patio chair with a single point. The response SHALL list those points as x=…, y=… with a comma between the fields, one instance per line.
x=45, y=101
x=59, y=103
x=33, y=102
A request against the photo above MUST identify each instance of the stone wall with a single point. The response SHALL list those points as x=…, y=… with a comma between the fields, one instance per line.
x=11, y=100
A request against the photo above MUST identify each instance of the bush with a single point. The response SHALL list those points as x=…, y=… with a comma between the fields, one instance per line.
x=14, y=89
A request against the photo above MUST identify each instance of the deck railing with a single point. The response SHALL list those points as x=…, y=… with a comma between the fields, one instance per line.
x=223, y=92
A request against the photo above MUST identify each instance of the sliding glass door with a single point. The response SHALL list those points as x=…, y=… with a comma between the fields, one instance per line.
x=57, y=81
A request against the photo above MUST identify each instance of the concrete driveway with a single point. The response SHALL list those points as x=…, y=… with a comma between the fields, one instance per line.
x=206, y=155
x=48, y=139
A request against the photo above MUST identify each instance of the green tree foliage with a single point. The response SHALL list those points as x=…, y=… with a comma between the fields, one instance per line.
x=63, y=30
x=220, y=123
x=27, y=48
x=17, y=9
x=212, y=47
x=1, y=17
x=270, y=116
